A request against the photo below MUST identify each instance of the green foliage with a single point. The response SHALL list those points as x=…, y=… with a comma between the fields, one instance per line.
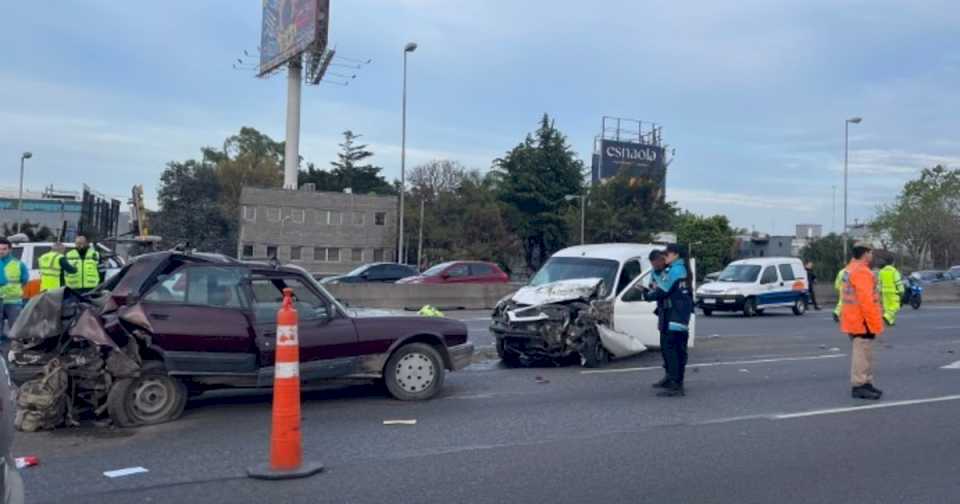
x=191, y=209
x=711, y=240
x=349, y=170
x=249, y=158
x=827, y=255
x=624, y=209
x=533, y=179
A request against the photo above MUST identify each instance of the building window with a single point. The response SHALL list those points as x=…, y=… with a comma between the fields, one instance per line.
x=322, y=216
x=273, y=214
x=359, y=219
x=319, y=254
x=336, y=218
x=333, y=255
x=271, y=251
x=380, y=218
x=326, y=254
x=297, y=215
x=247, y=250
x=295, y=253
x=250, y=213
x=356, y=255
x=377, y=255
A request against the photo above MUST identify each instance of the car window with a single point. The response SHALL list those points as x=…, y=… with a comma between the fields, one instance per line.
x=171, y=289
x=786, y=273
x=481, y=269
x=631, y=269
x=402, y=271
x=378, y=272
x=268, y=297
x=460, y=270
x=38, y=252
x=204, y=286
x=769, y=275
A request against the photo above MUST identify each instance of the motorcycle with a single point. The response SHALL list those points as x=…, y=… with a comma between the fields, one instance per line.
x=912, y=294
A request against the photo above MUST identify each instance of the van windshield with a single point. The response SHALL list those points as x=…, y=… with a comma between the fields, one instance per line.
x=576, y=268
x=743, y=273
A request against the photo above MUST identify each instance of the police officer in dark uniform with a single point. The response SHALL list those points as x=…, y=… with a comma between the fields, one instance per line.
x=673, y=294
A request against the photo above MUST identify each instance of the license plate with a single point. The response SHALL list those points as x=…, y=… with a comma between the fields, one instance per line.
x=709, y=300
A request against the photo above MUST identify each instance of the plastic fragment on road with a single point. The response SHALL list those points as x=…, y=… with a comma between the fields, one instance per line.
x=23, y=462
x=127, y=471
x=744, y=370
x=542, y=380
x=399, y=422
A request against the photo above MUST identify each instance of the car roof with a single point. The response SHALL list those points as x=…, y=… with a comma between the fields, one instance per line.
x=616, y=251
x=766, y=261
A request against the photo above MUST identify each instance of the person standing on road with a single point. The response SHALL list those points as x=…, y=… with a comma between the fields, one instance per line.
x=53, y=266
x=13, y=276
x=861, y=319
x=674, y=291
x=86, y=262
x=811, y=281
x=891, y=290
x=659, y=263
x=838, y=287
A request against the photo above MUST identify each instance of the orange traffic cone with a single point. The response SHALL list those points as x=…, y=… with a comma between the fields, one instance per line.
x=286, y=442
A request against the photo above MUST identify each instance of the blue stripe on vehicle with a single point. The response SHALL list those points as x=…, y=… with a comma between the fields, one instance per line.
x=781, y=297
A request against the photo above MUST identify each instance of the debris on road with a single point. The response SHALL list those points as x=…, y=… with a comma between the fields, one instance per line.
x=744, y=370
x=23, y=462
x=835, y=349
x=541, y=380
x=399, y=422
x=127, y=471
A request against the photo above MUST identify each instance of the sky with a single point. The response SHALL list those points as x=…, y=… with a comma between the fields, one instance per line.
x=752, y=94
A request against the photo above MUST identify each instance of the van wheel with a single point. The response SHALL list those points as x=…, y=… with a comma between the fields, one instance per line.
x=593, y=354
x=149, y=399
x=707, y=312
x=750, y=308
x=507, y=356
x=414, y=372
x=799, y=307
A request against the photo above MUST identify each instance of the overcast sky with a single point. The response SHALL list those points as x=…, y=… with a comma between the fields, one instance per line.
x=753, y=93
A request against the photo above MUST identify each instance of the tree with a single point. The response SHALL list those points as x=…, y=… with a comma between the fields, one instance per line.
x=624, y=209
x=827, y=255
x=436, y=177
x=349, y=171
x=710, y=238
x=191, y=209
x=534, y=178
x=248, y=159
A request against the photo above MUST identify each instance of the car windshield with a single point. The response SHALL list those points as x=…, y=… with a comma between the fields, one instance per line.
x=744, y=273
x=436, y=270
x=357, y=271
x=574, y=268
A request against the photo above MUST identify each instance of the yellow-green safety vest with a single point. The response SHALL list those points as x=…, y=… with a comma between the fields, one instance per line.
x=12, y=292
x=50, y=271
x=88, y=273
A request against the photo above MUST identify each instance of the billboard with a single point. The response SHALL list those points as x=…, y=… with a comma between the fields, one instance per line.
x=642, y=161
x=99, y=216
x=289, y=28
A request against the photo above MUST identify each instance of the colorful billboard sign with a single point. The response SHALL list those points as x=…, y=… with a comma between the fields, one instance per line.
x=290, y=27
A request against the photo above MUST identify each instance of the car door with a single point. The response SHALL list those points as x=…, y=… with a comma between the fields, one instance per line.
x=769, y=286
x=792, y=286
x=634, y=316
x=200, y=318
x=396, y=272
x=328, y=339
x=458, y=273
x=382, y=273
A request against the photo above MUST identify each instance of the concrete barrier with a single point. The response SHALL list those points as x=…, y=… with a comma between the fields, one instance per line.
x=947, y=292
x=413, y=296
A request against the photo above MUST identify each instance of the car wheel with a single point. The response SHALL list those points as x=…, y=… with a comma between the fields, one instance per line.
x=750, y=308
x=507, y=356
x=593, y=354
x=150, y=399
x=707, y=312
x=915, y=302
x=414, y=372
x=799, y=307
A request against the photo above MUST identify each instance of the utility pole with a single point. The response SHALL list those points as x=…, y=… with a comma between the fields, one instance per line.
x=420, y=241
x=24, y=156
x=291, y=155
x=409, y=48
x=846, y=151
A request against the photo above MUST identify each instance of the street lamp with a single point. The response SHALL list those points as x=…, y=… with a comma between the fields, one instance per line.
x=409, y=48
x=583, y=213
x=846, y=151
x=24, y=156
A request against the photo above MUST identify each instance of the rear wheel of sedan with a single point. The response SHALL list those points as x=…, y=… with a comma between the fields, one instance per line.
x=414, y=372
x=149, y=399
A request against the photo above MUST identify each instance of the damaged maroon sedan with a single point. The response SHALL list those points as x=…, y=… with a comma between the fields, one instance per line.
x=171, y=325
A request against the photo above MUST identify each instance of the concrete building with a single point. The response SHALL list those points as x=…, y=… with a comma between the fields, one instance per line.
x=806, y=234
x=50, y=208
x=324, y=232
x=764, y=245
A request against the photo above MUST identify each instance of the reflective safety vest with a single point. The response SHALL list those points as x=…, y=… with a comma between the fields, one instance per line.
x=861, y=312
x=12, y=292
x=50, y=271
x=891, y=282
x=88, y=273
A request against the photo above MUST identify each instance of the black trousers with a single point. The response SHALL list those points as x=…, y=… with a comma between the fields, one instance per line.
x=813, y=297
x=675, y=354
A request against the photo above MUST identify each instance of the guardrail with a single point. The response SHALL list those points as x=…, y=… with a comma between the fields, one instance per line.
x=947, y=292
x=415, y=296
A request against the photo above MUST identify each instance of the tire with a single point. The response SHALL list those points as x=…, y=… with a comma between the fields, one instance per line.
x=150, y=399
x=594, y=355
x=707, y=312
x=507, y=357
x=915, y=302
x=750, y=308
x=414, y=372
x=799, y=307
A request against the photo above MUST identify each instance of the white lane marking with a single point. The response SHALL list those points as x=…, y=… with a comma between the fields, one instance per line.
x=955, y=365
x=946, y=328
x=124, y=472
x=895, y=404
x=714, y=364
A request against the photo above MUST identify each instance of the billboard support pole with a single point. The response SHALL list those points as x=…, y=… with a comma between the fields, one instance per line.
x=291, y=159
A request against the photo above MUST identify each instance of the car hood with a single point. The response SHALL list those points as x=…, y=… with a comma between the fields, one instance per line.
x=722, y=287
x=557, y=292
x=377, y=312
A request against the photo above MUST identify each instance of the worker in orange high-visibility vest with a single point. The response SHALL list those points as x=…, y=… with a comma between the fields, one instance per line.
x=862, y=319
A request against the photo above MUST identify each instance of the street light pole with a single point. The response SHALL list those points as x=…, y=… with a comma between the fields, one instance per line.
x=420, y=242
x=583, y=213
x=409, y=48
x=846, y=155
x=24, y=156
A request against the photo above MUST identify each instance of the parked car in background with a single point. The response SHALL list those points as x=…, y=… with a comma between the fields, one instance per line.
x=205, y=321
x=460, y=272
x=754, y=285
x=712, y=277
x=927, y=277
x=373, y=273
x=954, y=273
x=30, y=253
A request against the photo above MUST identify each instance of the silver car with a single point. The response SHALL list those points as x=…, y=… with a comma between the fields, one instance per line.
x=11, y=486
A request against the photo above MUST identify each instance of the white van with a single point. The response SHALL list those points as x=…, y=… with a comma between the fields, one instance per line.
x=584, y=304
x=30, y=253
x=755, y=285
